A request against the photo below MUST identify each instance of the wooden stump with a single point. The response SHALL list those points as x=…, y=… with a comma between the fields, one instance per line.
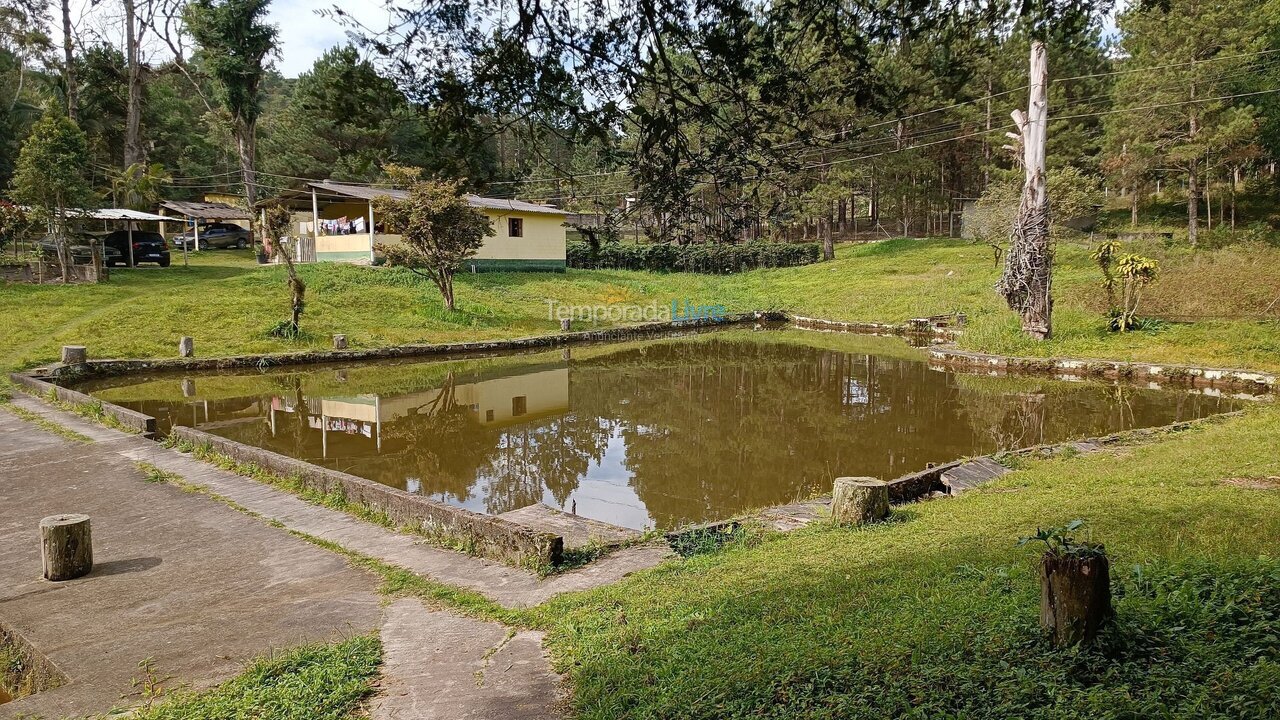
x=859, y=500
x=74, y=354
x=186, y=347
x=564, y=326
x=1075, y=597
x=339, y=342
x=66, y=546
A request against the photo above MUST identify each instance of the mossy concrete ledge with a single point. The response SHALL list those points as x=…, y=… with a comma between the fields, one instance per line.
x=1159, y=374
x=484, y=535
x=131, y=419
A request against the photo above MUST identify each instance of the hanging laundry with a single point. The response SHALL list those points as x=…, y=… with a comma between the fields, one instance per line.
x=358, y=226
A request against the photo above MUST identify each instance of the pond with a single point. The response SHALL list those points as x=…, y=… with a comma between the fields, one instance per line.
x=660, y=432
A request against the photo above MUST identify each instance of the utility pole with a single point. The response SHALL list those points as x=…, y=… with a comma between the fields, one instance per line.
x=1027, y=280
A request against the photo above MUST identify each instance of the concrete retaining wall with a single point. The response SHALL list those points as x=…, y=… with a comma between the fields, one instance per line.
x=131, y=419
x=485, y=535
x=1132, y=371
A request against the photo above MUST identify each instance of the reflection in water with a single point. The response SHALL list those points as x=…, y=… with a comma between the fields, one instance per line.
x=655, y=433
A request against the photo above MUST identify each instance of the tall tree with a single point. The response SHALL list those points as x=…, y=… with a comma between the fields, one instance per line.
x=1183, y=58
x=236, y=44
x=68, y=60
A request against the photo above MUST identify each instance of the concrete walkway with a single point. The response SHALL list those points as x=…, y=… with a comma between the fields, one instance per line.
x=191, y=584
x=201, y=587
x=440, y=667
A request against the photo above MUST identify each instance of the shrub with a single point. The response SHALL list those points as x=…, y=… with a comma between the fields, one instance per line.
x=711, y=258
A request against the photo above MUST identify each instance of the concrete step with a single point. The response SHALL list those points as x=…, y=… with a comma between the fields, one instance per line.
x=578, y=532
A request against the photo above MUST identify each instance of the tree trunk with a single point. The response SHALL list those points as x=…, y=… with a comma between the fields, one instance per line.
x=133, y=150
x=1193, y=188
x=246, y=148
x=68, y=67
x=446, y=289
x=1075, y=598
x=828, y=244
x=1027, y=280
x=1133, y=207
x=1193, y=203
x=66, y=546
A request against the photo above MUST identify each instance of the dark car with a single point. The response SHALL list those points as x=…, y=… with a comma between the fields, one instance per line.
x=148, y=247
x=81, y=252
x=215, y=235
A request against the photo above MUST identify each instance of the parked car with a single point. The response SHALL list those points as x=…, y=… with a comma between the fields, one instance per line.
x=215, y=235
x=148, y=247
x=81, y=252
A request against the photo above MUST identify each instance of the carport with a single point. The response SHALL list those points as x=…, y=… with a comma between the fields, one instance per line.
x=194, y=213
x=130, y=217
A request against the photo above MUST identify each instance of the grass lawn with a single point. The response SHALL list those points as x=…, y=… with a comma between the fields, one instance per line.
x=228, y=303
x=934, y=615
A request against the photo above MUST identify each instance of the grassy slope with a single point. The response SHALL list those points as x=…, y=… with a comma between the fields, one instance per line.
x=935, y=615
x=228, y=304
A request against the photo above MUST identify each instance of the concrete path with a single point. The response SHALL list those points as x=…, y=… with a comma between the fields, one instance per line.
x=189, y=583
x=505, y=585
x=440, y=667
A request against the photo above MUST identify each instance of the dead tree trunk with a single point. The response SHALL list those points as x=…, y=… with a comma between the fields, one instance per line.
x=1027, y=280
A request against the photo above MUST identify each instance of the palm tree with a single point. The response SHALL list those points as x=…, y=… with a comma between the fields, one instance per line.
x=138, y=187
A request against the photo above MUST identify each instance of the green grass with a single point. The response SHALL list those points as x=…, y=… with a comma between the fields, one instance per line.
x=936, y=615
x=228, y=304
x=311, y=682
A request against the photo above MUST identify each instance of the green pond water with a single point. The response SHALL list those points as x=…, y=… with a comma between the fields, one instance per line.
x=660, y=432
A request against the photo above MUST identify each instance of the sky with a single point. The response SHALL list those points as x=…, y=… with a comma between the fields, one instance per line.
x=304, y=34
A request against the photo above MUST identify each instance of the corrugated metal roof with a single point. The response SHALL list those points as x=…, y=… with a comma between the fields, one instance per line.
x=207, y=210
x=364, y=192
x=120, y=214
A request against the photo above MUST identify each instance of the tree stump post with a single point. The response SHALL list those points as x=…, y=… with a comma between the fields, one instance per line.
x=859, y=500
x=66, y=546
x=564, y=325
x=186, y=347
x=74, y=354
x=339, y=342
x=1075, y=597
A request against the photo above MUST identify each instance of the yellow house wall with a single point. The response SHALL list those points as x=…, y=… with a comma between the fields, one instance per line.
x=543, y=239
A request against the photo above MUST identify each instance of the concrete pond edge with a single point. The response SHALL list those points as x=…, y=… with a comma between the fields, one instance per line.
x=1156, y=375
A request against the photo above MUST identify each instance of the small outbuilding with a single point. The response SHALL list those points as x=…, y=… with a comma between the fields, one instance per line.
x=526, y=236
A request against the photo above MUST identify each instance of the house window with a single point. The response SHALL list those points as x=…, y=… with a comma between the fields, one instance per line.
x=515, y=227
x=519, y=405
x=488, y=416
